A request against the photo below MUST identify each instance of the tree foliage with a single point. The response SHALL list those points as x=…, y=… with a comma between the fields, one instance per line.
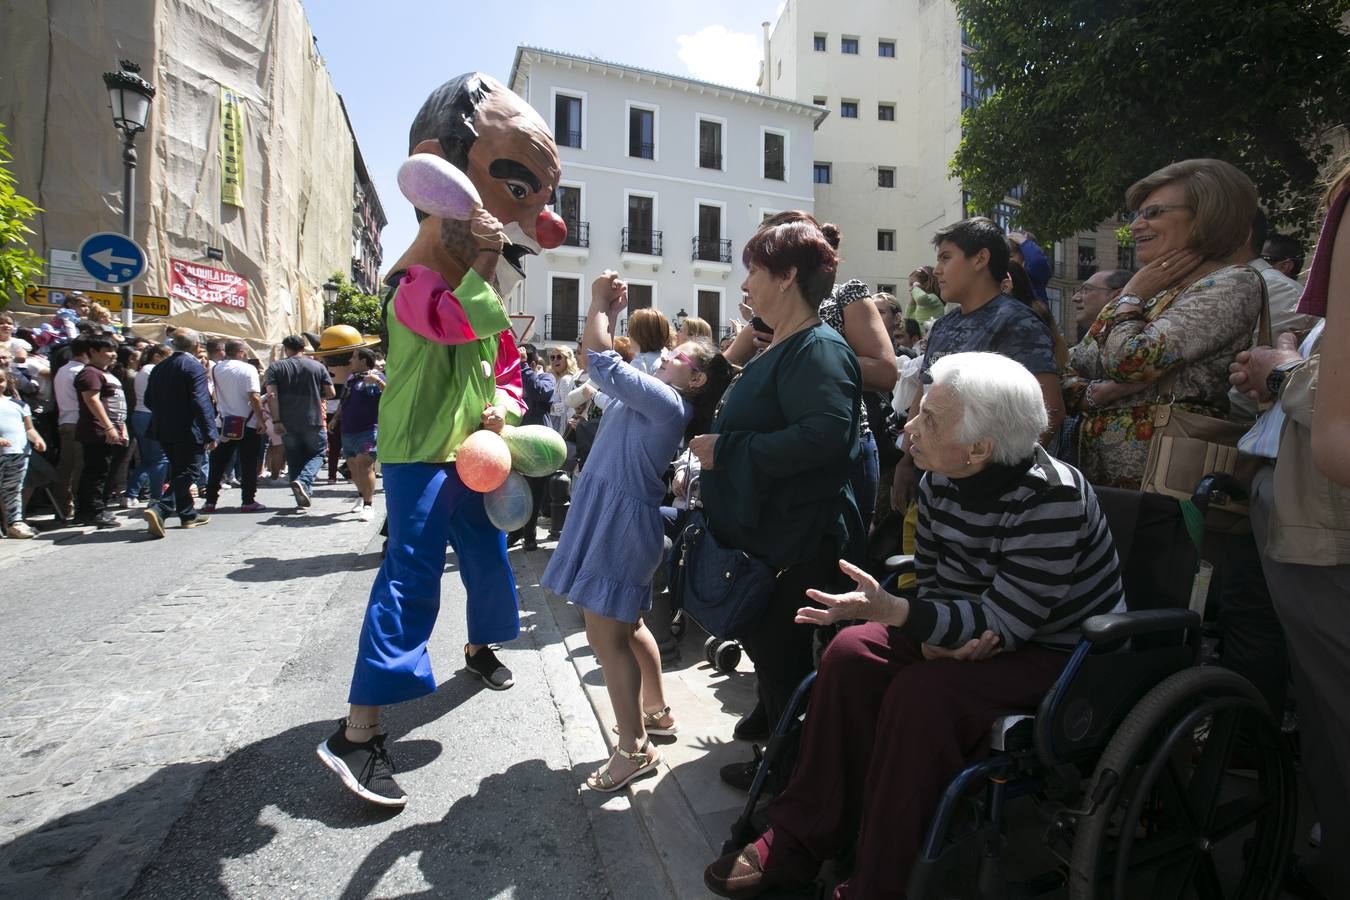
x=19, y=266
x=1092, y=95
x=361, y=311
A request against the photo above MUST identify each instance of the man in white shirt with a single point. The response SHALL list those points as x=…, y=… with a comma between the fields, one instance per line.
x=239, y=401
x=68, y=415
x=1284, y=315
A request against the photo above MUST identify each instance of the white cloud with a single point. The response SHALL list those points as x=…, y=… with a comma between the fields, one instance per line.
x=720, y=55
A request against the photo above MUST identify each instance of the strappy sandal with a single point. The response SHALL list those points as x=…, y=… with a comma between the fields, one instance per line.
x=652, y=723
x=601, y=780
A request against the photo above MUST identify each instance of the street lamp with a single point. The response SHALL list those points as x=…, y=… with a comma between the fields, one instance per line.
x=679, y=319
x=330, y=295
x=129, y=96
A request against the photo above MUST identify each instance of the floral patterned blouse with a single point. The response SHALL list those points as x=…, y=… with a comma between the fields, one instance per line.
x=1191, y=335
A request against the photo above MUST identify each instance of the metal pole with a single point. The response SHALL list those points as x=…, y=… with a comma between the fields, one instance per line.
x=128, y=213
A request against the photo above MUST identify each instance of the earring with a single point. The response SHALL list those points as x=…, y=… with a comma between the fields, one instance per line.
x=967, y=462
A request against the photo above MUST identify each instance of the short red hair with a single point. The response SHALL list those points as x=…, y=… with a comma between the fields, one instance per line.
x=795, y=239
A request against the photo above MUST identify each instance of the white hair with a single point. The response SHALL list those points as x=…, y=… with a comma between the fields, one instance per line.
x=1000, y=402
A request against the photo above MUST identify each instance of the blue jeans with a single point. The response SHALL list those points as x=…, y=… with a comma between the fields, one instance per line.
x=304, y=455
x=153, y=464
x=863, y=477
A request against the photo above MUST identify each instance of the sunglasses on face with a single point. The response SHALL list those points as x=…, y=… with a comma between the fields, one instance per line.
x=556, y=357
x=1153, y=210
x=668, y=355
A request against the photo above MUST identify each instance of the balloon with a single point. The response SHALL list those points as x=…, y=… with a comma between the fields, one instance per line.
x=483, y=461
x=536, y=450
x=510, y=506
x=437, y=187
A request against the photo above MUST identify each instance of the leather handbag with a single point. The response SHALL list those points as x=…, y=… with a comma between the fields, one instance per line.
x=1186, y=445
x=723, y=589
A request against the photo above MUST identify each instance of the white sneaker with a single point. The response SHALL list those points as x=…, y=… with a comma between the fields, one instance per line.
x=367, y=512
x=358, y=505
x=22, y=531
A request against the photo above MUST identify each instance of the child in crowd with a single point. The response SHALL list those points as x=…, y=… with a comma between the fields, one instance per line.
x=17, y=434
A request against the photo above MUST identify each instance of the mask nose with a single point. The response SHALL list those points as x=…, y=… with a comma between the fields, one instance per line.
x=549, y=229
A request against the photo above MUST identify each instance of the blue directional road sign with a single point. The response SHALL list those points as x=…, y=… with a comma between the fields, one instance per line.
x=112, y=258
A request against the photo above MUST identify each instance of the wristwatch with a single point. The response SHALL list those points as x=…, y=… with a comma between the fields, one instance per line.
x=1278, y=375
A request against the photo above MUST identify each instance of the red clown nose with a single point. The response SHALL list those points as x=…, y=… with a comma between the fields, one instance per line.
x=549, y=229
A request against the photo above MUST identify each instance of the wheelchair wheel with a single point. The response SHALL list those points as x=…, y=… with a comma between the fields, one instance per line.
x=710, y=649
x=726, y=657
x=1197, y=797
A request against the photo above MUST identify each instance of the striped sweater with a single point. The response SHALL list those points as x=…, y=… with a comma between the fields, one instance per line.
x=1023, y=551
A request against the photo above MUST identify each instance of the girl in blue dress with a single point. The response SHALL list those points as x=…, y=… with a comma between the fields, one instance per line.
x=614, y=540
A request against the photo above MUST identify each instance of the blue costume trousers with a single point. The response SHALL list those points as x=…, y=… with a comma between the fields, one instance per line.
x=428, y=507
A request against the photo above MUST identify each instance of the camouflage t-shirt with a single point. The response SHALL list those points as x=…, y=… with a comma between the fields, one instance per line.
x=1004, y=325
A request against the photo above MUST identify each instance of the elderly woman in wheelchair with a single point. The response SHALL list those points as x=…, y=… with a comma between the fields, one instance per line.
x=1014, y=554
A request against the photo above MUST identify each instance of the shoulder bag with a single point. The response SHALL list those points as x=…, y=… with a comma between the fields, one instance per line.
x=723, y=589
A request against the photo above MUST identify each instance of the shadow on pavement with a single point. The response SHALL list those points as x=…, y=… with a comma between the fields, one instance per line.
x=270, y=569
x=100, y=851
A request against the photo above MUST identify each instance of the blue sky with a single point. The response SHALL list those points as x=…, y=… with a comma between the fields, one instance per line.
x=386, y=56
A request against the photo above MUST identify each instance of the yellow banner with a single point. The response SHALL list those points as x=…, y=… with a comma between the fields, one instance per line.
x=231, y=147
x=44, y=296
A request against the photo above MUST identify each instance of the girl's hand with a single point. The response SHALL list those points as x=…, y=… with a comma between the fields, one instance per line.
x=704, y=446
x=868, y=602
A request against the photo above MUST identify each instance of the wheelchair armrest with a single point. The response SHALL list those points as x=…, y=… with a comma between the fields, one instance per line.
x=900, y=563
x=1111, y=628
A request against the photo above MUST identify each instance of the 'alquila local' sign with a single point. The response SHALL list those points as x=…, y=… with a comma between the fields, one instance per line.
x=203, y=284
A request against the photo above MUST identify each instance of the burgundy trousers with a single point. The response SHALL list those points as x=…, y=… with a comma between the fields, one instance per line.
x=886, y=733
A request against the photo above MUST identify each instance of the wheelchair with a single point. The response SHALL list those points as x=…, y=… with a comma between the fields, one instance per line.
x=1140, y=774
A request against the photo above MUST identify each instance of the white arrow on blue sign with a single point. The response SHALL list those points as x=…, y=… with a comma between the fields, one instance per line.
x=112, y=258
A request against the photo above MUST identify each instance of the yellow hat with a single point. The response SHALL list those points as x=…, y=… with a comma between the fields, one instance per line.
x=342, y=339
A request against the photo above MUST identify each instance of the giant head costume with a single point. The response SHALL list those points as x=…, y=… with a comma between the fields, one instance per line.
x=500, y=154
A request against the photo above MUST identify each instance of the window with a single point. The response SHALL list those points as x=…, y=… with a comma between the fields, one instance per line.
x=640, y=235
x=819, y=101
x=567, y=204
x=775, y=155
x=886, y=112
x=848, y=45
x=709, y=244
x=822, y=173
x=709, y=144
x=567, y=120
x=885, y=177
x=1087, y=258
x=819, y=43
x=972, y=92
x=1125, y=257
x=886, y=241
x=639, y=296
x=885, y=289
x=641, y=132
x=886, y=49
x=848, y=109
x=564, y=308
x=710, y=308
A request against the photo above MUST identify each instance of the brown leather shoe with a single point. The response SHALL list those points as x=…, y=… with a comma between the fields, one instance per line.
x=737, y=874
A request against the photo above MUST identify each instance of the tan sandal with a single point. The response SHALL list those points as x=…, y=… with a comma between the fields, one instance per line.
x=652, y=723
x=601, y=779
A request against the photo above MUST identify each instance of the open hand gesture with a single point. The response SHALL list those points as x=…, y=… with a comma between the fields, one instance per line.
x=868, y=602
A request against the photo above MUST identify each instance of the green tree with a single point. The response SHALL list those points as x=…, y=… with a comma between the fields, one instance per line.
x=361, y=311
x=19, y=266
x=1092, y=95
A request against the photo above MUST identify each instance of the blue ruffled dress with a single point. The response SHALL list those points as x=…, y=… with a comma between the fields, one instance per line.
x=613, y=539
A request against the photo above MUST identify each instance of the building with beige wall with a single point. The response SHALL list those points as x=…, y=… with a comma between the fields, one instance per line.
x=290, y=225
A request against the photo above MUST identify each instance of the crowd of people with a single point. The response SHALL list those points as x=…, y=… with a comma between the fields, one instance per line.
x=93, y=420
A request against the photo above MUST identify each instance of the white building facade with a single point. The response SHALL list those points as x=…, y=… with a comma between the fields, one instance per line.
x=663, y=179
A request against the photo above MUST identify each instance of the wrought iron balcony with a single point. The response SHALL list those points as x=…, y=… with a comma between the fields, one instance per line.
x=709, y=160
x=635, y=241
x=563, y=328
x=568, y=138
x=712, y=249
x=578, y=234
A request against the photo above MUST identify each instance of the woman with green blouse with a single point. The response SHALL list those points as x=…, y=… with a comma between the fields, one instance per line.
x=775, y=469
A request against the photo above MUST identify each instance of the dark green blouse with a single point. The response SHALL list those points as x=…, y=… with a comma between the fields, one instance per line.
x=788, y=434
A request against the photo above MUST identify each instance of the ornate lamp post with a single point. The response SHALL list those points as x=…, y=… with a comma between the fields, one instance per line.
x=330, y=295
x=129, y=96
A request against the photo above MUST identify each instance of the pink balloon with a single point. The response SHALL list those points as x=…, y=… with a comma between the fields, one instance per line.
x=437, y=188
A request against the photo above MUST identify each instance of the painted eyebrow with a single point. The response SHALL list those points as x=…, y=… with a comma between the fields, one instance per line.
x=509, y=168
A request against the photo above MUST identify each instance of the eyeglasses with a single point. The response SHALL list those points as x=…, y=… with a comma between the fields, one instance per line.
x=1153, y=210
x=556, y=357
x=667, y=355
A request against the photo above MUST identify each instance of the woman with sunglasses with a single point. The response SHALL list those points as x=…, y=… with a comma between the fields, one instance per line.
x=614, y=537
x=1178, y=322
x=563, y=366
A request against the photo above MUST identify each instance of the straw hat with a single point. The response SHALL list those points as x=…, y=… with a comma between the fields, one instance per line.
x=342, y=339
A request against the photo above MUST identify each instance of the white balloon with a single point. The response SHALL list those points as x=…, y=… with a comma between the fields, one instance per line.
x=437, y=188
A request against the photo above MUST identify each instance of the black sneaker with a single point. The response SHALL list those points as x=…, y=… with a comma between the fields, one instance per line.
x=753, y=727
x=364, y=767
x=486, y=666
x=741, y=775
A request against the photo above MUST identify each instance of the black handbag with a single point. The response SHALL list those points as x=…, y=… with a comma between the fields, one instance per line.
x=723, y=589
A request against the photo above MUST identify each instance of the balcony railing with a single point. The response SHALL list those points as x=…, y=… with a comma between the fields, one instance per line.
x=635, y=241
x=639, y=150
x=563, y=328
x=568, y=138
x=709, y=160
x=712, y=249
x=578, y=234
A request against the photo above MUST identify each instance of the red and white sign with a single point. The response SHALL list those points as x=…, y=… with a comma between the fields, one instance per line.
x=203, y=284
